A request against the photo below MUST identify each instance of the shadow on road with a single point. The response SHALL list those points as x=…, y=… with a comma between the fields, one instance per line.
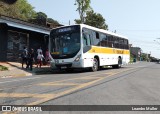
x=48, y=70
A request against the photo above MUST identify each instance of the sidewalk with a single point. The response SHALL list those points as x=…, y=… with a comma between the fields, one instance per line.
x=15, y=70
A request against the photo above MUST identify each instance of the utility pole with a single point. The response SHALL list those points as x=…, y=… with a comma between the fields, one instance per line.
x=69, y=22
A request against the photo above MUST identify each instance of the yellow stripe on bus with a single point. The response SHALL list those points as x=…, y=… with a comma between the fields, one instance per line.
x=108, y=50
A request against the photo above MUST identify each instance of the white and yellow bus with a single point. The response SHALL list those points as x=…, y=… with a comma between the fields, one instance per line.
x=83, y=46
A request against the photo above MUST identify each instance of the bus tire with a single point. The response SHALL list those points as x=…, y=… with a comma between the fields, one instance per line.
x=119, y=63
x=95, y=66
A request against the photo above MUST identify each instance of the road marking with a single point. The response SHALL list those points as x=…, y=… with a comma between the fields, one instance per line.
x=59, y=84
x=25, y=95
x=47, y=97
x=16, y=87
x=19, y=80
x=65, y=92
x=64, y=82
x=87, y=78
x=111, y=73
x=90, y=76
x=114, y=73
x=75, y=88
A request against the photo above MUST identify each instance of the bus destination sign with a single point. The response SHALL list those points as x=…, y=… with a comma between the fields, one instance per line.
x=65, y=29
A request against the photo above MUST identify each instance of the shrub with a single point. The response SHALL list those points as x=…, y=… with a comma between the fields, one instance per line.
x=3, y=68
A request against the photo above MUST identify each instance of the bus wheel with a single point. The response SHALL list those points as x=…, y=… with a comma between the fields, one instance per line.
x=95, y=65
x=119, y=64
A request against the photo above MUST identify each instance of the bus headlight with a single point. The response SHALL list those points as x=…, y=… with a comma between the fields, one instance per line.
x=78, y=58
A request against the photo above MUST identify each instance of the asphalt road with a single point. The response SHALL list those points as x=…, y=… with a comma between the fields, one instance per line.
x=134, y=84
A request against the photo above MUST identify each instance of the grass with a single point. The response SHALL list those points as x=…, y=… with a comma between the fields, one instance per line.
x=3, y=68
x=131, y=59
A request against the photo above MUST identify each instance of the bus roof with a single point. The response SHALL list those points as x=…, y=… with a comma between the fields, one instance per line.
x=96, y=29
x=103, y=31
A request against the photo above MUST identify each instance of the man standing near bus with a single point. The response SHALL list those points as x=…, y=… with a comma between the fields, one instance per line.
x=30, y=59
x=24, y=56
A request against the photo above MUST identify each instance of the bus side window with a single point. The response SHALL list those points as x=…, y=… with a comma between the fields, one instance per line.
x=126, y=44
x=116, y=42
x=103, y=40
x=110, y=41
x=121, y=43
x=86, y=39
x=96, y=38
x=97, y=35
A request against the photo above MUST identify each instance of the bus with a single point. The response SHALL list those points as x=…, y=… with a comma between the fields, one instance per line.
x=84, y=46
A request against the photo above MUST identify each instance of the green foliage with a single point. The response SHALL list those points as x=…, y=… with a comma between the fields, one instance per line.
x=3, y=68
x=40, y=19
x=88, y=16
x=131, y=58
x=94, y=19
x=26, y=10
x=3, y=7
x=144, y=57
x=20, y=10
x=50, y=20
x=83, y=7
x=41, y=15
x=78, y=21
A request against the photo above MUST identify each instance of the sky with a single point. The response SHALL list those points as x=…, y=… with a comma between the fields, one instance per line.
x=139, y=20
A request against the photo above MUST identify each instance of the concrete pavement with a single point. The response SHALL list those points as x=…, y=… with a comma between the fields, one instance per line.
x=135, y=84
x=15, y=70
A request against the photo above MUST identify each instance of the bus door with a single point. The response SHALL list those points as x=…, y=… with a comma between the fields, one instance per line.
x=87, y=42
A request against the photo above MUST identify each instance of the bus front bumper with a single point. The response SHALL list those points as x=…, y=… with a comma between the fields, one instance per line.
x=78, y=64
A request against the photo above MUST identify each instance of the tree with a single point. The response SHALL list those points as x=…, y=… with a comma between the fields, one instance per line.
x=78, y=21
x=3, y=7
x=83, y=7
x=144, y=56
x=52, y=21
x=20, y=10
x=26, y=10
x=94, y=19
x=40, y=19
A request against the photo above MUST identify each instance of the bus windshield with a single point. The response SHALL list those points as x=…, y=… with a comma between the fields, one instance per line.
x=64, y=42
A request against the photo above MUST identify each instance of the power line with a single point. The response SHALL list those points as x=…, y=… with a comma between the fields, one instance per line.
x=138, y=30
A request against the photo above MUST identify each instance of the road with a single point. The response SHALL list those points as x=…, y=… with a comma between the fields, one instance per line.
x=134, y=84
